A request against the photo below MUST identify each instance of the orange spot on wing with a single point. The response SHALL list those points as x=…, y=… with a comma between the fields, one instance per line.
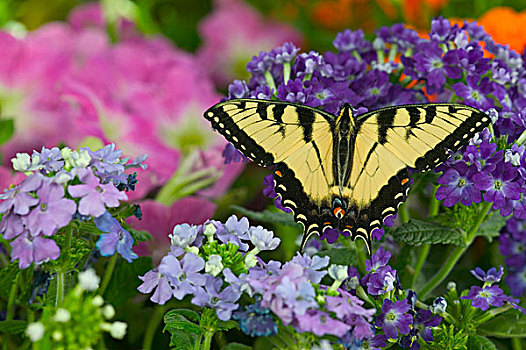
x=327, y=223
x=339, y=212
x=404, y=181
x=348, y=226
x=277, y=172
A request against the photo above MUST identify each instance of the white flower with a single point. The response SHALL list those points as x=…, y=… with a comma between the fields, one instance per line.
x=183, y=235
x=76, y=159
x=88, y=280
x=24, y=163
x=214, y=266
x=263, y=239
x=35, y=331
x=57, y=335
x=118, y=329
x=108, y=311
x=62, y=315
x=210, y=230
x=338, y=272
x=97, y=301
x=250, y=260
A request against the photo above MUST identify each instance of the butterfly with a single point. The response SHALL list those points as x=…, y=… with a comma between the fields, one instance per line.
x=340, y=171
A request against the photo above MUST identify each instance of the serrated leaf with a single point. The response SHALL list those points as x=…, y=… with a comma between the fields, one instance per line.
x=175, y=314
x=267, y=216
x=185, y=325
x=492, y=226
x=7, y=129
x=12, y=327
x=508, y=325
x=226, y=325
x=477, y=342
x=339, y=256
x=418, y=232
x=236, y=346
x=125, y=280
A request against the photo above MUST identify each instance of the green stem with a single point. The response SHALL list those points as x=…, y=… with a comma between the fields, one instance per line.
x=153, y=323
x=516, y=343
x=403, y=213
x=270, y=82
x=422, y=256
x=197, y=344
x=10, y=313
x=208, y=341
x=108, y=273
x=286, y=72
x=490, y=314
x=67, y=244
x=457, y=253
x=61, y=278
x=434, y=204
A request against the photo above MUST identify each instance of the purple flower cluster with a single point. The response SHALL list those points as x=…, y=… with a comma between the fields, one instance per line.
x=456, y=64
x=489, y=294
x=200, y=266
x=512, y=246
x=46, y=201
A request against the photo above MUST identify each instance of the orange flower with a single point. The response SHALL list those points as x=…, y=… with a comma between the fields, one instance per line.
x=418, y=12
x=506, y=26
x=339, y=14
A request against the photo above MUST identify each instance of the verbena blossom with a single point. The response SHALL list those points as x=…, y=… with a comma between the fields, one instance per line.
x=45, y=203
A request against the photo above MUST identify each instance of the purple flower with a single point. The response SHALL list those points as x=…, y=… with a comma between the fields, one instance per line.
x=95, y=196
x=11, y=225
x=492, y=276
x=435, y=65
x=268, y=191
x=442, y=30
x=499, y=185
x=154, y=280
x=312, y=265
x=235, y=231
x=106, y=160
x=52, y=212
x=284, y=54
x=293, y=91
x=349, y=309
x=117, y=238
x=19, y=198
x=458, y=186
x=423, y=321
x=483, y=298
x=351, y=41
x=400, y=35
x=263, y=239
x=320, y=323
x=238, y=89
x=50, y=160
x=224, y=301
x=232, y=154
x=378, y=259
x=383, y=280
x=475, y=92
x=516, y=280
x=183, y=275
x=28, y=249
x=394, y=317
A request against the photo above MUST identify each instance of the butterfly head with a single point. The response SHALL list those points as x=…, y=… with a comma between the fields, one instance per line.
x=345, y=120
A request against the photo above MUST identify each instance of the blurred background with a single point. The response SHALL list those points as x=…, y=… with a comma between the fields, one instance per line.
x=140, y=74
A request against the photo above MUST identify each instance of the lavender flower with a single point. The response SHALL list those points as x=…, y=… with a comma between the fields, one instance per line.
x=256, y=321
x=223, y=301
x=117, y=239
x=483, y=298
x=155, y=280
x=28, y=249
x=19, y=199
x=263, y=239
x=95, y=196
x=492, y=276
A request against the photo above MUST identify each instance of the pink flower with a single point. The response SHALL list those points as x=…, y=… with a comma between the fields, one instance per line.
x=232, y=34
x=159, y=220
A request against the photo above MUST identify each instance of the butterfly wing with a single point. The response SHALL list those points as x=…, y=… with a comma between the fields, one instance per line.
x=297, y=140
x=393, y=138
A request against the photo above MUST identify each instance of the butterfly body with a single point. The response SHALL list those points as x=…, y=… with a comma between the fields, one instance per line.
x=340, y=171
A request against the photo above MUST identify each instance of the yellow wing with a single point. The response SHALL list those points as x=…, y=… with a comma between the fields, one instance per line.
x=297, y=140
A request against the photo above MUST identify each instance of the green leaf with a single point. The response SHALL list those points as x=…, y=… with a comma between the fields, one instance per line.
x=181, y=340
x=140, y=235
x=226, y=325
x=236, y=346
x=507, y=325
x=7, y=276
x=267, y=216
x=125, y=281
x=491, y=227
x=174, y=315
x=183, y=325
x=339, y=256
x=477, y=342
x=418, y=232
x=7, y=129
x=12, y=327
